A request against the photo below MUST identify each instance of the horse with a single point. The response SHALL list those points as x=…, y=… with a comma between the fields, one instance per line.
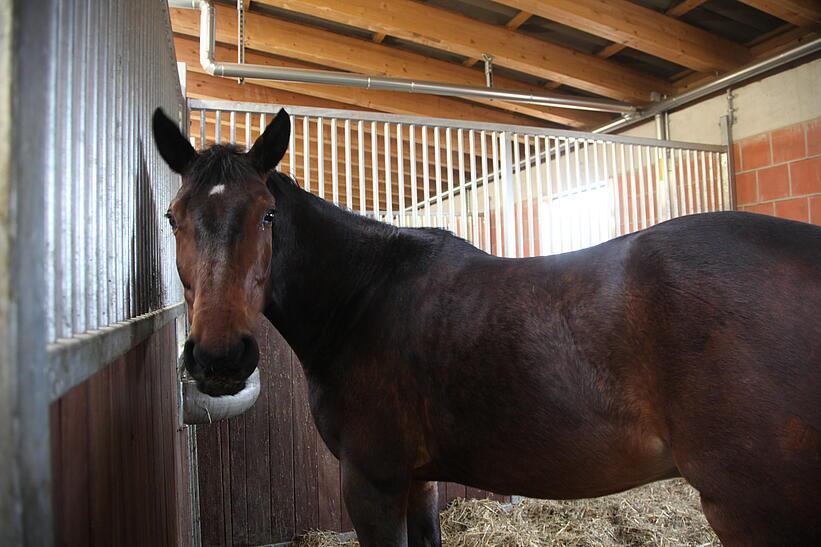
x=690, y=349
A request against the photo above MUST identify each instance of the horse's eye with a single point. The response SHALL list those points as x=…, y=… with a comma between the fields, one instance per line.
x=268, y=218
x=171, y=221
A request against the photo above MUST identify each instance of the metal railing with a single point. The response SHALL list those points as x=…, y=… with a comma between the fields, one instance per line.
x=510, y=190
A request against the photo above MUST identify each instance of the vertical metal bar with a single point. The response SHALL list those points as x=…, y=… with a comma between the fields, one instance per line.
x=375, y=169
x=691, y=208
x=704, y=181
x=232, y=127
x=517, y=195
x=595, y=186
x=363, y=183
x=348, y=167
x=633, y=189
x=642, y=188
x=292, y=148
x=437, y=164
x=451, y=195
x=412, y=158
x=334, y=163
x=577, y=221
x=320, y=155
x=426, y=174
x=713, y=185
x=486, y=194
x=529, y=194
x=539, y=191
x=566, y=232
x=203, y=123
x=474, y=190
x=653, y=185
x=586, y=190
x=388, y=194
x=497, y=195
x=728, y=163
x=248, y=141
x=549, y=247
x=508, y=183
x=306, y=153
x=462, y=219
x=613, y=187
x=400, y=167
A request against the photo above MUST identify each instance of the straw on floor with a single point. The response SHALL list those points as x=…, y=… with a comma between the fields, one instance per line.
x=664, y=513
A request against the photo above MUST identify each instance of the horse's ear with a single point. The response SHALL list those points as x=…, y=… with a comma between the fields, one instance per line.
x=272, y=144
x=172, y=144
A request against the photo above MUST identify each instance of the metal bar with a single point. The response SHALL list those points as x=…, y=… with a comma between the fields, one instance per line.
x=451, y=195
x=486, y=194
x=412, y=158
x=508, y=184
x=306, y=153
x=334, y=163
x=497, y=186
x=291, y=147
x=549, y=247
x=348, y=176
x=375, y=169
x=400, y=166
x=437, y=163
x=652, y=186
x=360, y=139
x=248, y=141
x=320, y=156
x=73, y=360
x=474, y=190
x=729, y=172
x=356, y=115
x=232, y=127
x=426, y=174
x=388, y=195
x=529, y=194
x=517, y=195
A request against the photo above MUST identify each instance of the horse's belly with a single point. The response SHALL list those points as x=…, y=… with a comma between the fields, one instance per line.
x=586, y=466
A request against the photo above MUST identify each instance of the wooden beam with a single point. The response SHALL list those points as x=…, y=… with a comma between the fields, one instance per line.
x=643, y=29
x=339, y=52
x=675, y=11
x=383, y=101
x=518, y=20
x=801, y=13
x=449, y=31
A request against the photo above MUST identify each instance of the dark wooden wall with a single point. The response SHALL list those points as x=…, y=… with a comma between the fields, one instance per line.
x=120, y=466
x=266, y=476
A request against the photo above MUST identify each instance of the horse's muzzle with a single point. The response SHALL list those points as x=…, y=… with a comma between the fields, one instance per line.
x=221, y=373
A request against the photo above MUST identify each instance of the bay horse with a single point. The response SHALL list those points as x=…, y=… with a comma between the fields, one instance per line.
x=691, y=349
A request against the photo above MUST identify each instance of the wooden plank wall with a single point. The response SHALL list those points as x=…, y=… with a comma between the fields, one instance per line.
x=266, y=476
x=120, y=464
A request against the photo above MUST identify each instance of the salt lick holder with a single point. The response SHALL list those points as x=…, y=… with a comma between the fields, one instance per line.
x=199, y=408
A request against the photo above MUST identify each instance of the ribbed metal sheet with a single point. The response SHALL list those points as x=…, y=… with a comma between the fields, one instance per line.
x=110, y=253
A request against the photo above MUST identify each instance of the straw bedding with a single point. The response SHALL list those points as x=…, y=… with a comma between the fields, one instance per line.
x=664, y=513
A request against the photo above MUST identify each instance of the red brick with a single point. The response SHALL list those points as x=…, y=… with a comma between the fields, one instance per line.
x=793, y=209
x=762, y=209
x=814, y=138
x=746, y=188
x=806, y=176
x=773, y=183
x=815, y=210
x=755, y=152
x=737, y=157
x=788, y=144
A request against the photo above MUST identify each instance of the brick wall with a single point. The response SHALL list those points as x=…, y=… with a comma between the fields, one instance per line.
x=779, y=172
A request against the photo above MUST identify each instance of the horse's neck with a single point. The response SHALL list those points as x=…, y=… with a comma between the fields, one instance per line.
x=322, y=281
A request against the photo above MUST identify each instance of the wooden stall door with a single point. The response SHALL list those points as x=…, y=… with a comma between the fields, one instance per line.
x=266, y=476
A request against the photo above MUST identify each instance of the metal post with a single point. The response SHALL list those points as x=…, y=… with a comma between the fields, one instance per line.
x=507, y=187
x=729, y=164
x=488, y=59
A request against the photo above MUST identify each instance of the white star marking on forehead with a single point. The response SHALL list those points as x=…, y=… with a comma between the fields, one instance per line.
x=217, y=189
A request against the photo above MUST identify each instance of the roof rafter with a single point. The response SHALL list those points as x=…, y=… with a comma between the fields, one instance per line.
x=643, y=29
x=801, y=13
x=274, y=36
x=448, y=31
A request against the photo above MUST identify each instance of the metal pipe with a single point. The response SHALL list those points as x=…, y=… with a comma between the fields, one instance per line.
x=729, y=80
x=308, y=76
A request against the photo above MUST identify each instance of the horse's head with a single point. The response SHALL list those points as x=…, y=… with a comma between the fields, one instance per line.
x=221, y=219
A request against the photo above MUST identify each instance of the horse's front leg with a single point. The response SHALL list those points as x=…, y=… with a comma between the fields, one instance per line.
x=378, y=507
x=423, y=515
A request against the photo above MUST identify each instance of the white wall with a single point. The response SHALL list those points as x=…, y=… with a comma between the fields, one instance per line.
x=783, y=99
